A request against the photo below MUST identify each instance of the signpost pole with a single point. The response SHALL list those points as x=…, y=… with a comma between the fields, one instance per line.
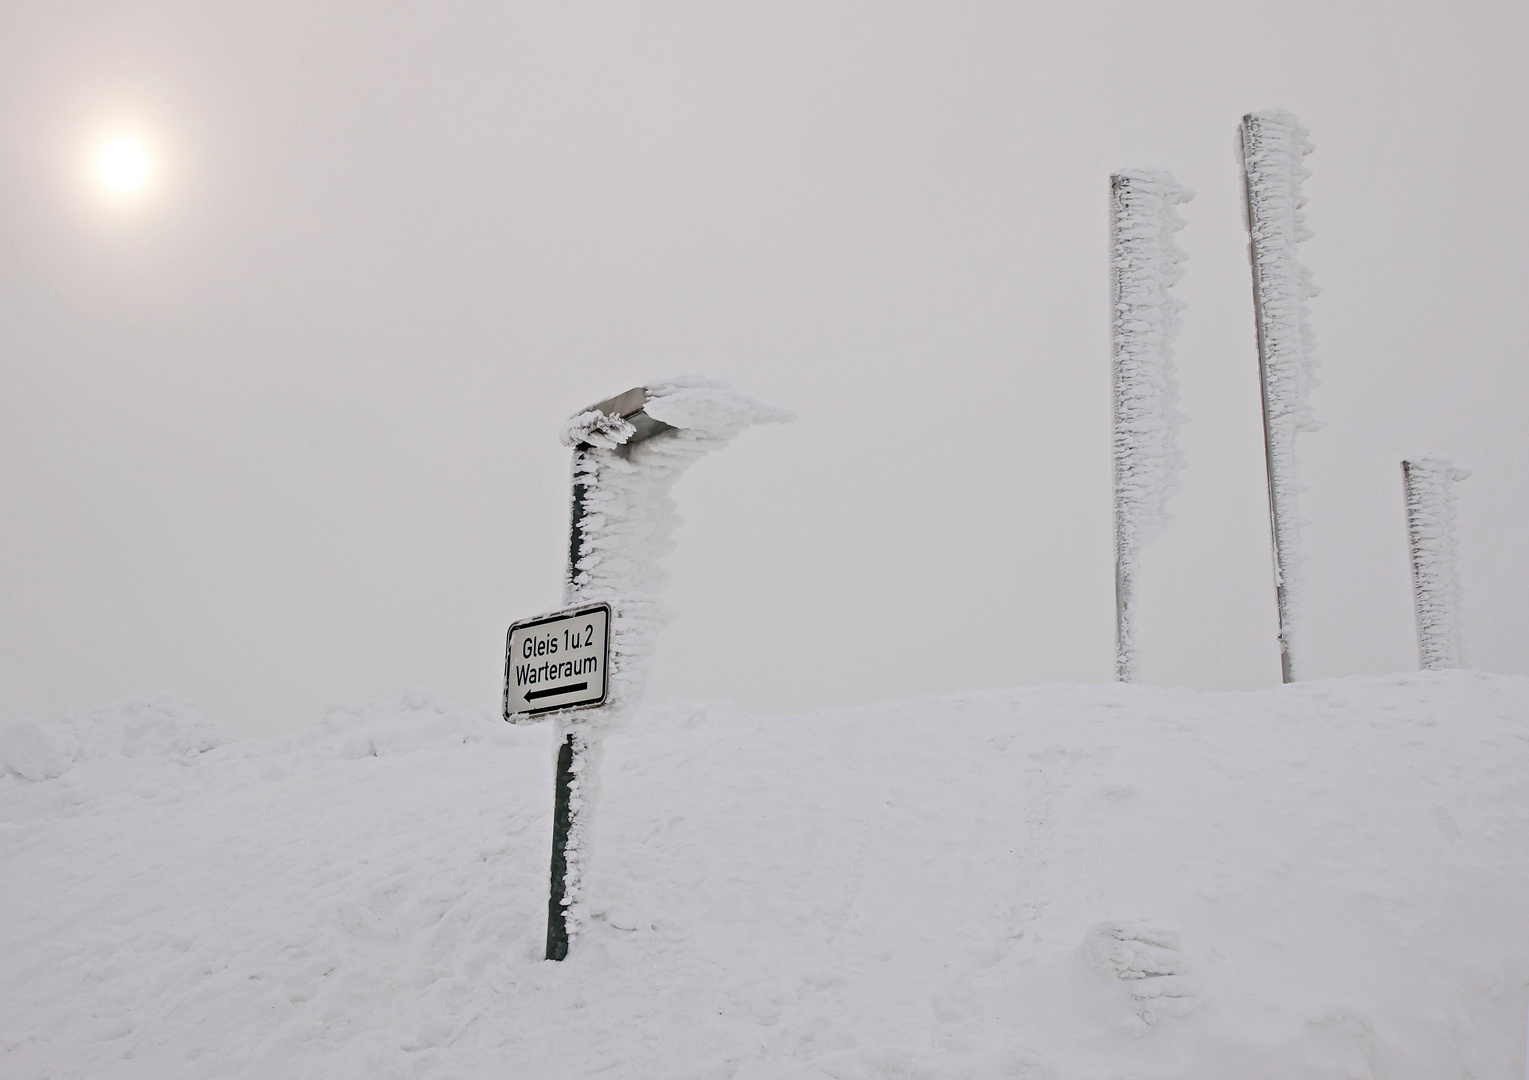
x=562, y=807
x=557, y=912
x=545, y=655
x=626, y=409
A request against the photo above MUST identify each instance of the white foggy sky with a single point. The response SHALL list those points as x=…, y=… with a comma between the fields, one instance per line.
x=284, y=430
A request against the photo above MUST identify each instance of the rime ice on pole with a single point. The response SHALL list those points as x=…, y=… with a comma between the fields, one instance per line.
x=1144, y=264
x=1273, y=146
x=628, y=526
x=1429, y=485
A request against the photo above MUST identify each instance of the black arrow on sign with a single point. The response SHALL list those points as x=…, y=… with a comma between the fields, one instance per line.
x=556, y=690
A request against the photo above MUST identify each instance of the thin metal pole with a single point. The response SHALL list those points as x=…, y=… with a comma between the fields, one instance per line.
x=1409, y=499
x=1428, y=488
x=1125, y=551
x=562, y=806
x=557, y=912
x=1125, y=599
x=1277, y=541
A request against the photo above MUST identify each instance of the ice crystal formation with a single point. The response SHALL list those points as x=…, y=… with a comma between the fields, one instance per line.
x=626, y=526
x=1429, y=483
x=1273, y=147
x=1144, y=264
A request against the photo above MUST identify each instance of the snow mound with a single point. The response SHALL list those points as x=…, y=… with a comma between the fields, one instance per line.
x=156, y=727
x=421, y=719
x=34, y=752
x=1317, y=881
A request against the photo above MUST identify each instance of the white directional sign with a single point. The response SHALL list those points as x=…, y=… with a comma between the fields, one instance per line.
x=556, y=662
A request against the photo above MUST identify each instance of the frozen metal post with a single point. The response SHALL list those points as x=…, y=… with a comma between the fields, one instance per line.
x=1273, y=146
x=1429, y=486
x=572, y=754
x=1145, y=263
x=584, y=667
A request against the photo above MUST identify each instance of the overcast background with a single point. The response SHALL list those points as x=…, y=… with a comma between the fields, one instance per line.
x=284, y=430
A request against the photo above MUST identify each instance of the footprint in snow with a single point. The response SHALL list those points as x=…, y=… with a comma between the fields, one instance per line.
x=1151, y=964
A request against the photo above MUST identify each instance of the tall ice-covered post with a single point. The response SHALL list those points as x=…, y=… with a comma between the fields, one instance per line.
x=1144, y=321
x=1429, y=486
x=628, y=452
x=1273, y=147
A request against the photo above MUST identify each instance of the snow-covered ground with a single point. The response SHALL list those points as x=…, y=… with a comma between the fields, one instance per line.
x=1322, y=880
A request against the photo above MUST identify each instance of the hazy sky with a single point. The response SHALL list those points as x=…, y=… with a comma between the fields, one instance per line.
x=284, y=428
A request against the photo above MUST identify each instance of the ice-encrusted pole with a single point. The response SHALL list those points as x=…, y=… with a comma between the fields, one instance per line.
x=1144, y=320
x=627, y=454
x=1429, y=486
x=1272, y=148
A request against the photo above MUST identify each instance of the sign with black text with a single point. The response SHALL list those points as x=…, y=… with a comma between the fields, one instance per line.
x=556, y=662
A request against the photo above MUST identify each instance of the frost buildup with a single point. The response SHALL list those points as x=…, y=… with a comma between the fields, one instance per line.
x=1273, y=149
x=1144, y=264
x=1429, y=484
x=622, y=496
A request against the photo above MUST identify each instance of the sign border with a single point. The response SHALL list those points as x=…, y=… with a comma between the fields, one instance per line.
x=537, y=620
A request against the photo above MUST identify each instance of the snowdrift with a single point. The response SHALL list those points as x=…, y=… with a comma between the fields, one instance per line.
x=1319, y=880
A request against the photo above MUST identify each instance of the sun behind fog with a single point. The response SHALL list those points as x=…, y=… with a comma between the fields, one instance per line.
x=123, y=165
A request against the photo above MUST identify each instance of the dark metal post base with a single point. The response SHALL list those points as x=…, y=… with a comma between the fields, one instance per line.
x=557, y=912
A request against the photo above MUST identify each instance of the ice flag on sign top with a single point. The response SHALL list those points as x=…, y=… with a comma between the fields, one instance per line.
x=629, y=516
x=1144, y=264
x=1273, y=148
x=1429, y=483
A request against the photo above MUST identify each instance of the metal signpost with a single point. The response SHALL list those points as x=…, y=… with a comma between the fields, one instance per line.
x=560, y=662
